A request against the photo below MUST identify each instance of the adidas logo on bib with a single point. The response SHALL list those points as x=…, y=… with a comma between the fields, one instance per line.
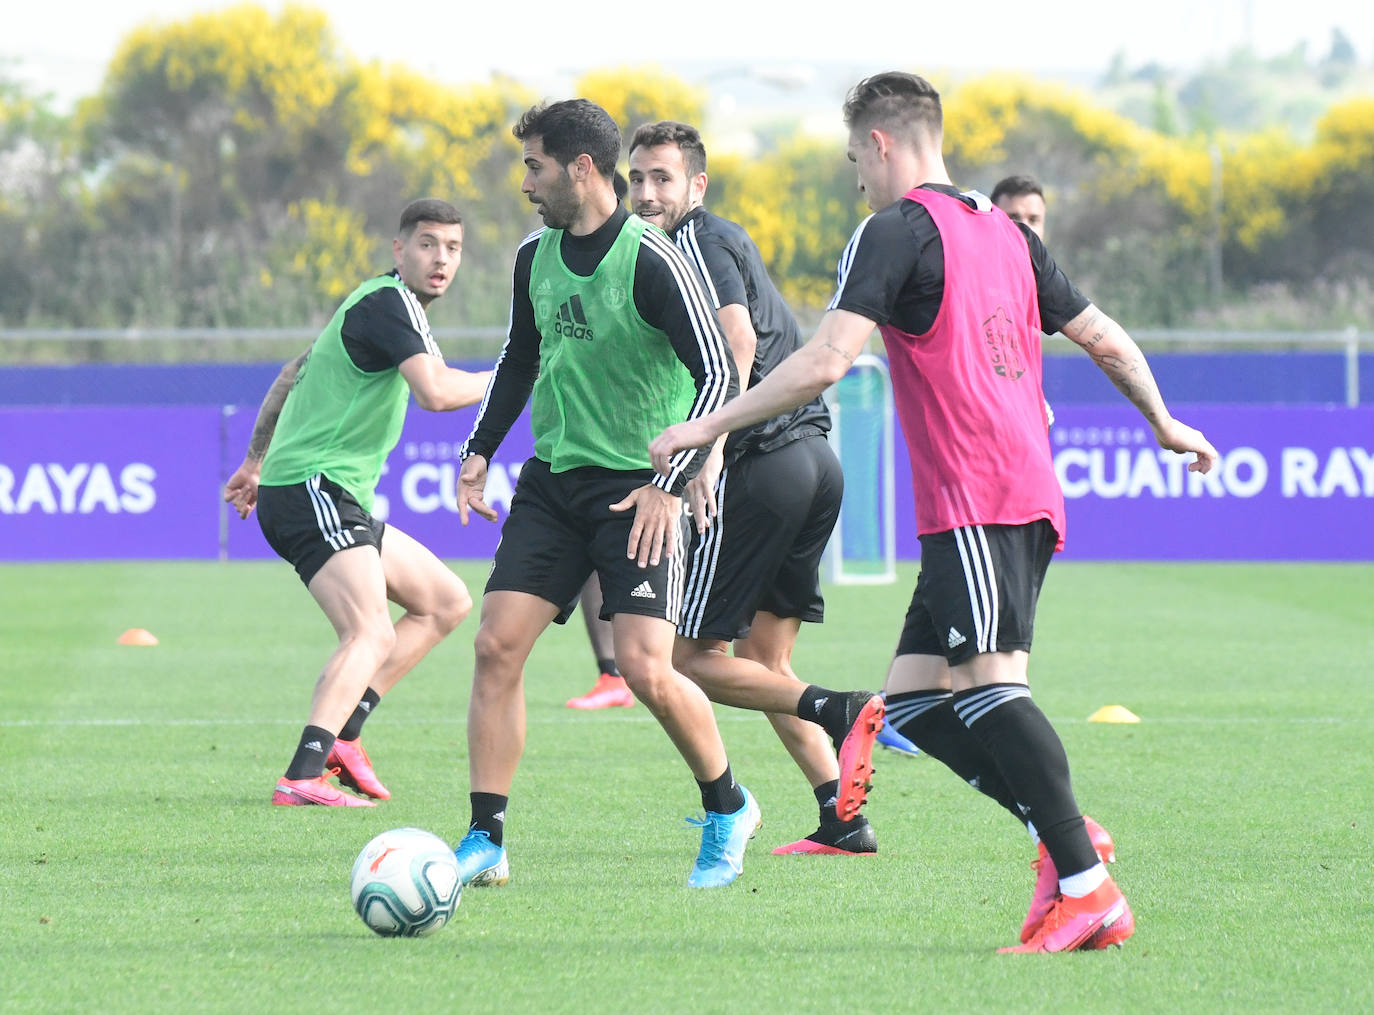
x=571, y=322
x=643, y=591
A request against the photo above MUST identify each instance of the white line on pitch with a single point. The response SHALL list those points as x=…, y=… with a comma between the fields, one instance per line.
x=725, y=715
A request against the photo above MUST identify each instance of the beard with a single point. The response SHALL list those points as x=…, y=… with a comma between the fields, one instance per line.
x=559, y=207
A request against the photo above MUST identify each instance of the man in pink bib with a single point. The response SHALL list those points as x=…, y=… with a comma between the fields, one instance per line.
x=961, y=295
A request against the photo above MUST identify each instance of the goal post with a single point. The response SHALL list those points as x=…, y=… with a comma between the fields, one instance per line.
x=863, y=547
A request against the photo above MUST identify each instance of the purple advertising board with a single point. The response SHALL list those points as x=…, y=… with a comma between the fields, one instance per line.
x=101, y=484
x=144, y=483
x=1292, y=484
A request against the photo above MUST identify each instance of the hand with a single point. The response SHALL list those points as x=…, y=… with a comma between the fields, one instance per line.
x=472, y=481
x=676, y=438
x=701, y=491
x=1180, y=437
x=242, y=488
x=657, y=515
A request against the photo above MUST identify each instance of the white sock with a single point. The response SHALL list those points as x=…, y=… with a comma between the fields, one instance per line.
x=1078, y=885
x=1035, y=836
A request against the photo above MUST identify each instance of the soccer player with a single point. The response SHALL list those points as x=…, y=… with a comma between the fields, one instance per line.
x=764, y=505
x=960, y=295
x=610, y=689
x=1023, y=199
x=611, y=330
x=325, y=428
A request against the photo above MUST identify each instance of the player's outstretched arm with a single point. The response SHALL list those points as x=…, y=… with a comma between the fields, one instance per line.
x=439, y=387
x=796, y=380
x=1117, y=355
x=242, y=488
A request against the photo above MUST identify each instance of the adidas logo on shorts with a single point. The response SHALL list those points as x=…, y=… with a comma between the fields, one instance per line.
x=955, y=638
x=643, y=591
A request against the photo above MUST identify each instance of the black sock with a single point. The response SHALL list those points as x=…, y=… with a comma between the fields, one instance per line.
x=1031, y=758
x=813, y=702
x=489, y=815
x=353, y=729
x=608, y=667
x=928, y=720
x=835, y=711
x=826, y=794
x=311, y=752
x=722, y=795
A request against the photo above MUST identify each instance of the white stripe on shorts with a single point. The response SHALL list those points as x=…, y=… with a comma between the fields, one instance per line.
x=705, y=559
x=980, y=576
x=327, y=515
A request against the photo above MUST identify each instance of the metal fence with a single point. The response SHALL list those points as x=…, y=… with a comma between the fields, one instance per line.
x=74, y=346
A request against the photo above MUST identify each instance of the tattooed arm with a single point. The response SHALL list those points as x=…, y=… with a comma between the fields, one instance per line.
x=1117, y=355
x=270, y=410
x=242, y=488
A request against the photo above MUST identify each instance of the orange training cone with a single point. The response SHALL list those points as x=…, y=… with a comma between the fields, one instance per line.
x=137, y=636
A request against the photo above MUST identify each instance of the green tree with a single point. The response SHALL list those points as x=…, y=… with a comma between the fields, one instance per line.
x=800, y=204
x=248, y=170
x=1129, y=214
x=1328, y=204
x=42, y=211
x=638, y=95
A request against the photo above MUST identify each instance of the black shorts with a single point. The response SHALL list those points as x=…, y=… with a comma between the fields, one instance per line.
x=763, y=551
x=310, y=522
x=561, y=528
x=977, y=590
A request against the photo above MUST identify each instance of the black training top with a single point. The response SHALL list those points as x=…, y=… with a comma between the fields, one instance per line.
x=733, y=268
x=385, y=328
x=893, y=270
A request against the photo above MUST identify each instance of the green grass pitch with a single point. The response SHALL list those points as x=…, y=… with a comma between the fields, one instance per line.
x=142, y=869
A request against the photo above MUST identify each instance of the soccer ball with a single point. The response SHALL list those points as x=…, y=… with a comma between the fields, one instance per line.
x=406, y=883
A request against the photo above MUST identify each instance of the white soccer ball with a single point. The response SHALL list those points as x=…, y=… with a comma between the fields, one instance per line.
x=406, y=883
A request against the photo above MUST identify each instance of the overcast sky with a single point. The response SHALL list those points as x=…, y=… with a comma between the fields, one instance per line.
x=63, y=48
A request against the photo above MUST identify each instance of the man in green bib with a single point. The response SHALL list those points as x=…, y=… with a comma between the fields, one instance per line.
x=612, y=331
x=325, y=429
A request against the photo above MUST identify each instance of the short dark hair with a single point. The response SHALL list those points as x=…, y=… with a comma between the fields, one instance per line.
x=571, y=128
x=622, y=186
x=427, y=209
x=684, y=135
x=1016, y=186
x=905, y=104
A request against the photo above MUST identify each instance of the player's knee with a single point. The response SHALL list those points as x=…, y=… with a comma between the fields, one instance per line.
x=698, y=661
x=650, y=689
x=487, y=646
x=495, y=652
x=375, y=635
x=454, y=608
x=652, y=679
x=684, y=656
